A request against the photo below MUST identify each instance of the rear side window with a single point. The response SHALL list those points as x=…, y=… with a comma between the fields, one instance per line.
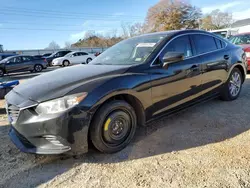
x=27, y=58
x=204, y=43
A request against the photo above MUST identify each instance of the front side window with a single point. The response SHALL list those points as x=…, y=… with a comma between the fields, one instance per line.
x=64, y=53
x=181, y=45
x=131, y=51
x=84, y=53
x=15, y=60
x=204, y=43
x=58, y=54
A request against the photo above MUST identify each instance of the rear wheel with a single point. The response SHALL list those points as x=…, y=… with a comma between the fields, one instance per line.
x=113, y=127
x=38, y=68
x=232, y=88
x=66, y=63
x=88, y=60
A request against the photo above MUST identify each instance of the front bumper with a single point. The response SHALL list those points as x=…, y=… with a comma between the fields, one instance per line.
x=48, y=134
x=57, y=63
x=26, y=146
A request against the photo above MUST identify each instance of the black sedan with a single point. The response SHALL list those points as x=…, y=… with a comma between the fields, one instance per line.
x=132, y=83
x=21, y=63
x=61, y=53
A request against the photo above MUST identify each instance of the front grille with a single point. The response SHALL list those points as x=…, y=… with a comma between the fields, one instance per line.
x=12, y=112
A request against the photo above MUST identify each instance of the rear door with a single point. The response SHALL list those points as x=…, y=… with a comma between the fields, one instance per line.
x=28, y=63
x=215, y=60
x=84, y=57
x=14, y=64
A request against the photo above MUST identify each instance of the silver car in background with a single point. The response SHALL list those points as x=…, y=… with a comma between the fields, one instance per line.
x=21, y=63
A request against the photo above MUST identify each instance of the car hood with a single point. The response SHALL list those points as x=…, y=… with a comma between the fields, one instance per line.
x=58, y=83
x=245, y=47
x=3, y=61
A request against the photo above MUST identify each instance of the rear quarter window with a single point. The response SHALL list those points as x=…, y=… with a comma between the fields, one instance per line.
x=219, y=43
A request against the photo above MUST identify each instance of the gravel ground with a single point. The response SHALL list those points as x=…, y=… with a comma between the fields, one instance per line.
x=204, y=146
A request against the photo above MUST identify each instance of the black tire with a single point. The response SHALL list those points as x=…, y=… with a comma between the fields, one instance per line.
x=227, y=92
x=1, y=72
x=113, y=126
x=66, y=63
x=38, y=68
x=88, y=60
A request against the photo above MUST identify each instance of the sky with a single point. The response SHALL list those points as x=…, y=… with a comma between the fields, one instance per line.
x=32, y=24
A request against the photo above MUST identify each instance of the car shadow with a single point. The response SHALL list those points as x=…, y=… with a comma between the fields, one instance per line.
x=203, y=124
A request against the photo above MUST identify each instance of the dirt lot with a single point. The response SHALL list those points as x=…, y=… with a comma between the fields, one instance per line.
x=205, y=146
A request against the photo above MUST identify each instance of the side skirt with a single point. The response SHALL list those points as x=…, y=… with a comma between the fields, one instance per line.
x=194, y=102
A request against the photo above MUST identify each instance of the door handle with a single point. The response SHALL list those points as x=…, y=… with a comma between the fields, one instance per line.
x=226, y=57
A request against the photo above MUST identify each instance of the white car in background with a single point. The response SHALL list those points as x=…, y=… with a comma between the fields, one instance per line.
x=73, y=58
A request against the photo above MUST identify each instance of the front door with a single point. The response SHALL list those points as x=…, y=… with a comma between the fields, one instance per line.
x=14, y=64
x=180, y=82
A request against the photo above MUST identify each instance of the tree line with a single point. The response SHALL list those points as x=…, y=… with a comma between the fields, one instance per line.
x=165, y=15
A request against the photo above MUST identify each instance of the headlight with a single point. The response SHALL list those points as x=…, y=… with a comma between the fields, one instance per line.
x=248, y=54
x=60, y=104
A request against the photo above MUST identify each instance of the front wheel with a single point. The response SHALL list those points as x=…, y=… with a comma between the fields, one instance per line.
x=38, y=68
x=113, y=126
x=66, y=63
x=232, y=88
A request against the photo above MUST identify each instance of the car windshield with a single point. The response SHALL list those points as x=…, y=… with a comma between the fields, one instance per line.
x=69, y=54
x=240, y=39
x=7, y=58
x=131, y=51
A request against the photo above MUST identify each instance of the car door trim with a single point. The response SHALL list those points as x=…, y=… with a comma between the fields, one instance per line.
x=152, y=64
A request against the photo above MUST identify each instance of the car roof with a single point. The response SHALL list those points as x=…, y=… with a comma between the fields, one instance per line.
x=175, y=32
x=247, y=33
x=21, y=55
x=76, y=52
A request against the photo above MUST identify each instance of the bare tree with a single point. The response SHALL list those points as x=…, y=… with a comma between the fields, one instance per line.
x=171, y=15
x=217, y=20
x=67, y=45
x=131, y=30
x=53, y=46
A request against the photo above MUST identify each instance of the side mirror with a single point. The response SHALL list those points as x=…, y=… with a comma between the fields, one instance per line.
x=8, y=62
x=172, y=57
